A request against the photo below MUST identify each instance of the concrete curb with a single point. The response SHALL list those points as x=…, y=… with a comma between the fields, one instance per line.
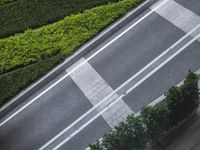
x=110, y=30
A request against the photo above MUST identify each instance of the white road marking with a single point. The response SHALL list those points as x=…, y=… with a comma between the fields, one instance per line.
x=179, y=16
x=159, y=99
x=142, y=80
x=120, y=87
x=100, y=50
x=95, y=88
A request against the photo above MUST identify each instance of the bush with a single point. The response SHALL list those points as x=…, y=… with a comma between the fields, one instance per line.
x=24, y=14
x=13, y=82
x=62, y=37
x=58, y=39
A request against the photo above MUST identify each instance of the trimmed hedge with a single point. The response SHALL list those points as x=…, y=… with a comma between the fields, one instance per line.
x=14, y=82
x=24, y=14
x=153, y=123
x=62, y=37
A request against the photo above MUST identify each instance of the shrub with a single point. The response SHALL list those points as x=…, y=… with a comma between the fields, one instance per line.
x=13, y=82
x=24, y=14
x=62, y=37
x=58, y=39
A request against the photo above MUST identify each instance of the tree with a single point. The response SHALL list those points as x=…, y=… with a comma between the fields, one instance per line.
x=190, y=94
x=174, y=101
x=155, y=119
x=128, y=135
x=96, y=146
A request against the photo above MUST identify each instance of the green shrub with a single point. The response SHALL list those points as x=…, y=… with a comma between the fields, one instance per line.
x=46, y=43
x=23, y=14
x=13, y=82
x=62, y=37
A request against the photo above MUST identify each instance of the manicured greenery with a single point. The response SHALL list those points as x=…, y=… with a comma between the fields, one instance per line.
x=58, y=39
x=24, y=14
x=62, y=37
x=153, y=123
x=2, y=2
x=11, y=83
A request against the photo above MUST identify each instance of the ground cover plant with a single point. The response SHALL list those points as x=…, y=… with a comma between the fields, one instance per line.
x=25, y=14
x=61, y=38
x=152, y=125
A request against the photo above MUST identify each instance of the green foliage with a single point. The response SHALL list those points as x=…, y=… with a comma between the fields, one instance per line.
x=24, y=14
x=2, y=2
x=62, y=37
x=128, y=135
x=174, y=100
x=190, y=94
x=155, y=119
x=24, y=53
x=182, y=101
x=13, y=82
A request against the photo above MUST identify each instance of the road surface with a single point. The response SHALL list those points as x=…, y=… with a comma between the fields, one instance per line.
x=92, y=96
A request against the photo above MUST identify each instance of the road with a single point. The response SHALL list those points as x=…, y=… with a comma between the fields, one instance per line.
x=80, y=96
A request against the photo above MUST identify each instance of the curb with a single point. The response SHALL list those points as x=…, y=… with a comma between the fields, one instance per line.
x=102, y=36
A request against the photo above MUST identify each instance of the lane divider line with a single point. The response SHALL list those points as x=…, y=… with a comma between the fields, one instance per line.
x=92, y=109
x=58, y=81
x=115, y=101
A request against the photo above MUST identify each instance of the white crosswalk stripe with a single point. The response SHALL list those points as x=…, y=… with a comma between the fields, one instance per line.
x=95, y=89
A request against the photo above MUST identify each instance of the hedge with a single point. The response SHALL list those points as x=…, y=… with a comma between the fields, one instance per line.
x=153, y=123
x=21, y=53
x=24, y=14
x=13, y=82
x=61, y=37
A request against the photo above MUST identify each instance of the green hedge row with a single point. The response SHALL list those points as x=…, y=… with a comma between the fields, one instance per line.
x=153, y=123
x=62, y=37
x=2, y=2
x=24, y=14
x=13, y=82
x=47, y=43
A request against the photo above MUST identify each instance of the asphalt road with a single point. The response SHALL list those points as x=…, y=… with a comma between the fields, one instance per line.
x=59, y=107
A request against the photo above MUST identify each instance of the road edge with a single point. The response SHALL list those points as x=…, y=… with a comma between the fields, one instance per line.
x=87, y=47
